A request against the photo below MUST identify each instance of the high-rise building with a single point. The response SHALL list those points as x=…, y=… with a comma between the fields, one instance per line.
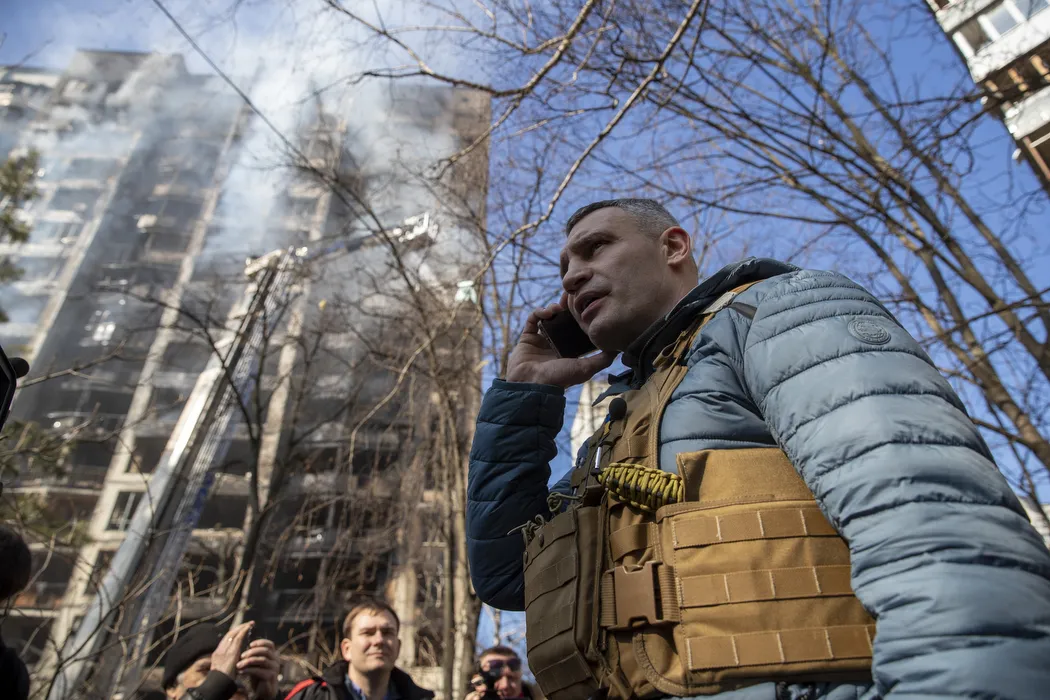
x=1006, y=46
x=153, y=194
x=1040, y=517
x=590, y=413
x=23, y=92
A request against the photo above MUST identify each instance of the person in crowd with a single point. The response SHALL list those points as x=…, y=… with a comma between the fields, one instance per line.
x=16, y=567
x=206, y=664
x=786, y=499
x=367, y=671
x=499, y=675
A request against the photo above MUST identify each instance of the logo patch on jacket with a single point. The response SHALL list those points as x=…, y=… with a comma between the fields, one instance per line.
x=868, y=330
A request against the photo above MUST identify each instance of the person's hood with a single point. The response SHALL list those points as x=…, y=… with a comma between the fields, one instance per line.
x=639, y=356
x=335, y=675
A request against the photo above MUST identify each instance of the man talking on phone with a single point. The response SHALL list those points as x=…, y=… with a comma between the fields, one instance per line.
x=785, y=500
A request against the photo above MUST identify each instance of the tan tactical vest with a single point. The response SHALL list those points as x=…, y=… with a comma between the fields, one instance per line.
x=721, y=576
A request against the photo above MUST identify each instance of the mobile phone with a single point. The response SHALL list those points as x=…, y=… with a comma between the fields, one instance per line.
x=243, y=680
x=565, y=335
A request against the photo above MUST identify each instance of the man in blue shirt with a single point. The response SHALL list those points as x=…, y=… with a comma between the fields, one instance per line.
x=369, y=648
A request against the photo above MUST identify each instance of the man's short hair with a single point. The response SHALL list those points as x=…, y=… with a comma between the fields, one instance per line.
x=18, y=563
x=367, y=604
x=653, y=219
x=499, y=650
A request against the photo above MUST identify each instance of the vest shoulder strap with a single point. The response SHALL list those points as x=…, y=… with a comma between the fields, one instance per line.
x=670, y=366
x=721, y=303
x=681, y=347
x=660, y=395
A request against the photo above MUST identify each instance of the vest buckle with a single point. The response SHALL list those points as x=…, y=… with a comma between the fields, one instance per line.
x=638, y=598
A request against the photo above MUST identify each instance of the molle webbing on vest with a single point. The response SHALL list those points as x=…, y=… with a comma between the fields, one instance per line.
x=560, y=589
x=743, y=582
x=780, y=647
x=552, y=577
x=753, y=525
x=764, y=584
x=632, y=539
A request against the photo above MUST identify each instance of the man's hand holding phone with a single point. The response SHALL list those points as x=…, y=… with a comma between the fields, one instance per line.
x=535, y=360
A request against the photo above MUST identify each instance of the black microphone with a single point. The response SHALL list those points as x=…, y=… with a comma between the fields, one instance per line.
x=617, y=409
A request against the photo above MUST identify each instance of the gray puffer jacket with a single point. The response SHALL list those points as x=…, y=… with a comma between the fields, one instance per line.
x=942, y=553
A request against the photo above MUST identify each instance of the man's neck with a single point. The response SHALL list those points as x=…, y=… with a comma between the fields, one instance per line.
x=372, y=685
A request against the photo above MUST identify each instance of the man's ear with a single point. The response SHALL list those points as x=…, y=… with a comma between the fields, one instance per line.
x=677, y=245
x=397, y=648
x=344, y=648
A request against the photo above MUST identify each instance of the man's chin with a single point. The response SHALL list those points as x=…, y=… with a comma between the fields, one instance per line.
x=378, y=664
x=604, y=338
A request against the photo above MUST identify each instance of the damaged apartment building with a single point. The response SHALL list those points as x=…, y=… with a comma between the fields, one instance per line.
x=152, y=199
x=1006, y=46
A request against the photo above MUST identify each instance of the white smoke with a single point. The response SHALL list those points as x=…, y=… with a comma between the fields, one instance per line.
x=291, y=59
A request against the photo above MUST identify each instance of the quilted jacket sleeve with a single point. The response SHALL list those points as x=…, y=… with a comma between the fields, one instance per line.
x=507, y=483
x=942, y=554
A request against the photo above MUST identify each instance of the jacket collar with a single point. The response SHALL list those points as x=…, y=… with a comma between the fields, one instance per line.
x=335, y=676
x=639, y=356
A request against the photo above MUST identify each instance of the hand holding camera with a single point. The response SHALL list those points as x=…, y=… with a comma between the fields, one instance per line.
x=498, y=678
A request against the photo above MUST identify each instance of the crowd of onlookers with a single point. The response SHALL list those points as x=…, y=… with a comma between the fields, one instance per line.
x=207, y=663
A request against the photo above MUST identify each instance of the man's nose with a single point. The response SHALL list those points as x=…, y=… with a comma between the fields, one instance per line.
x=575, y=275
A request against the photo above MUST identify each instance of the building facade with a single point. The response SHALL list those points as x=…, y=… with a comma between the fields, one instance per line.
x=590, y=413
x=1006, y=46
x=151, y=200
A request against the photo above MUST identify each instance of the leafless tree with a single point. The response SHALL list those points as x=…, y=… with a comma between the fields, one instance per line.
x=808, y=130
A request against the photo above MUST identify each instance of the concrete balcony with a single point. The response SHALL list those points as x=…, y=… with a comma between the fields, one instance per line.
x=35, y=286
x=1007, y=48
x=955, y=13
x=178, y=190
x=1029, y=114
x=79, y=477
x=17, y=330
x=41, y=596
x=203, y=606
x=48, y=249
x=175, y=380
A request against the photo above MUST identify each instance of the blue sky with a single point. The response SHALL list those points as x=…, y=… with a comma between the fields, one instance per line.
x=44, y=33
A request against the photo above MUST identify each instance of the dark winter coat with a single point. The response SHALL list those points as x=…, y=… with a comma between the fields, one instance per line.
x=14, y=676
x=332, y=686
x=216, y=686
x=942, y=553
